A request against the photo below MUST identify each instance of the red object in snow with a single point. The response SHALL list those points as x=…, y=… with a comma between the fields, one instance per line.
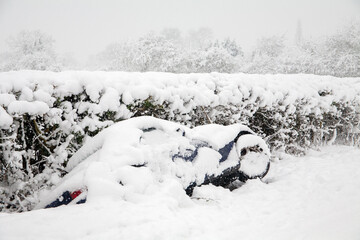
x=75, y=194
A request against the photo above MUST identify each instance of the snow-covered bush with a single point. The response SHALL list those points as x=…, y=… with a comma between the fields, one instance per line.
x=45, y=116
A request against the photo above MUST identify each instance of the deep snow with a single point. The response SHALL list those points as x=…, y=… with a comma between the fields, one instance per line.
x=311, y=197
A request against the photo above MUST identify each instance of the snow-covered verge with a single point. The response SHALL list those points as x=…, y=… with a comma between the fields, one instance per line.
x=45, y=116
x=310, y=197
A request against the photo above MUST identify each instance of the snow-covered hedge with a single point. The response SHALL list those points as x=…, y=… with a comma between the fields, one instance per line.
x=45, y=116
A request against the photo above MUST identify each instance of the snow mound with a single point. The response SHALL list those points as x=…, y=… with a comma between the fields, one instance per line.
x=141, y=155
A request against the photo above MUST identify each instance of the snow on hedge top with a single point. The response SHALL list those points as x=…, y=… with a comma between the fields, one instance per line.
x=183, y=91
x=32, y=108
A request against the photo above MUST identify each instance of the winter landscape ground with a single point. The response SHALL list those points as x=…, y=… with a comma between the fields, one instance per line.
x=183, y=119
x=311, y=197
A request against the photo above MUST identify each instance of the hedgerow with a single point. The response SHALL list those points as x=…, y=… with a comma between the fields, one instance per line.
x=45, y=117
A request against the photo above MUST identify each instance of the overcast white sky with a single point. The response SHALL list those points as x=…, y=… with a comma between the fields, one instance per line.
x=85, y=27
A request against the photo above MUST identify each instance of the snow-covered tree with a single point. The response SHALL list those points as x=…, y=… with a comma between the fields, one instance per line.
x=153, y=52
x=269, y=47
x=337, y=55
x=341, y=52
x=217, y=58
x=30, y=50
x=232, y=47
x=264, y=56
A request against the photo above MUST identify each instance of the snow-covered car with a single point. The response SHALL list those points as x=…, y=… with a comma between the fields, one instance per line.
x=134, y=154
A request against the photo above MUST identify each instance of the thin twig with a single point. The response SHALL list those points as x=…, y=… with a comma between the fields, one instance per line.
x=207, y=117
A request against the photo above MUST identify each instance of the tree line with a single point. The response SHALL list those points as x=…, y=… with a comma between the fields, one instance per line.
x=197, y=52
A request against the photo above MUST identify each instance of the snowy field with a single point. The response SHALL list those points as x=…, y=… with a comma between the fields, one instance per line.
x=311, y=197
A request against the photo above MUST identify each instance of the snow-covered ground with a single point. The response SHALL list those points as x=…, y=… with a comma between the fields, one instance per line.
x=311, y=197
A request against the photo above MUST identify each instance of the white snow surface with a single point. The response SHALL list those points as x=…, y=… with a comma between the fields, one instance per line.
x=32, y=108
x=312, y=197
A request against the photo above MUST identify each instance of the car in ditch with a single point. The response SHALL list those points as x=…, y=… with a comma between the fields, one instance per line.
x=136, y=153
